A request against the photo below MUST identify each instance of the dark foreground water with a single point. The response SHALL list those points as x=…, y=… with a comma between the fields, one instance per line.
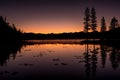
x=59, y=59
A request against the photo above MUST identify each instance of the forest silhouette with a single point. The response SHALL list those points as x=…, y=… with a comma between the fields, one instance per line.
x=13, y=39
x=89, y=32
x=11, y=33
x=11, y=36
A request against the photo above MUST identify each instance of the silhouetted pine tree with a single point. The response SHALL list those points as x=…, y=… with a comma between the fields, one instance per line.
x=103, y=25
x=87, y=20
x=8, y=32
x=93, y=20
x=113, y=24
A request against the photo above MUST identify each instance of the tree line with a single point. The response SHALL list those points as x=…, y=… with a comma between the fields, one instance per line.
x=90, y=24
x=11, y=33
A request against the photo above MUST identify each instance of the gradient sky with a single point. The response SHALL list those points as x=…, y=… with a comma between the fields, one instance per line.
x=55, y=16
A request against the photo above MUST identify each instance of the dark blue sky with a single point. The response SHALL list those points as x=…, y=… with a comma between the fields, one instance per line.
x=46, y=16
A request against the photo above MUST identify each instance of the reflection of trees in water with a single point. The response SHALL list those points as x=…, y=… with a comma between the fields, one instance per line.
x=103, y=55
x=115, y=57
x=94, y=60
x=90, y=57
x=87, y=61
x=7, y=50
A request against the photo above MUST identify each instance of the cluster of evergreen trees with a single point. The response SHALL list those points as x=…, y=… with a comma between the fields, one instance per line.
x=8, y=32
x=90, y=22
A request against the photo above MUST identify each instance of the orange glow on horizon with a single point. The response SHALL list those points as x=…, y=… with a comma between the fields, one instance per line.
x=52, y=28
x=56, y=27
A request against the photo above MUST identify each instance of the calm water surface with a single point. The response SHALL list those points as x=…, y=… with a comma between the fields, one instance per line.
x=59, y=59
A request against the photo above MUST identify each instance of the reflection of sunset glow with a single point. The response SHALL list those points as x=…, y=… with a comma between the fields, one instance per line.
x=56, y=49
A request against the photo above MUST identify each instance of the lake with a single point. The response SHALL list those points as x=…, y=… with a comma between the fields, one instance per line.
x=59, y=59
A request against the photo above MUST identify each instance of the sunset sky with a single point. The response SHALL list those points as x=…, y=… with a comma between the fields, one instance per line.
x=55, y=16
